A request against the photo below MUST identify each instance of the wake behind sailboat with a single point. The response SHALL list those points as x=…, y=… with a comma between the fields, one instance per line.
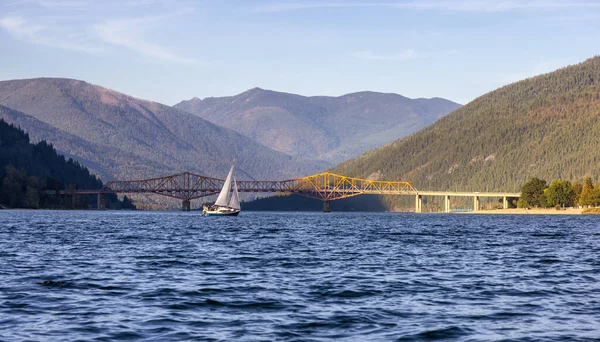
x=228, y=202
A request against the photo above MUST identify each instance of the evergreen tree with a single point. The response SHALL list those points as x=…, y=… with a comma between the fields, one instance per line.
x=587, y=193
x=30, y=172
x=577, y=188
x=596, y=195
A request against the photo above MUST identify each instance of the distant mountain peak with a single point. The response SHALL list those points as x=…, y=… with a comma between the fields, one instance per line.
x=253, y=91
x=320, y=127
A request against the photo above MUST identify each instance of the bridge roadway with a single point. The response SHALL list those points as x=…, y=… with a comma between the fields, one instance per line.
x=324, y=186
x=476, y=196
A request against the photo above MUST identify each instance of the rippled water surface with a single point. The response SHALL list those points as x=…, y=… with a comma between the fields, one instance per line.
x=76, y=275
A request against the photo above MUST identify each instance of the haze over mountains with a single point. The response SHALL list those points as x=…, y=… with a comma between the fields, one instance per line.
x=320, y=127
x=122, y=137
x=546, y=126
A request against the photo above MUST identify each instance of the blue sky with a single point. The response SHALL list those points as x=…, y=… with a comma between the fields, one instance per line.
x=171, y=50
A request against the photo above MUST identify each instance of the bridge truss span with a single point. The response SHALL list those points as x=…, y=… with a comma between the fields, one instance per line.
x=328, y=186
x=324, y=186
x=185, y=186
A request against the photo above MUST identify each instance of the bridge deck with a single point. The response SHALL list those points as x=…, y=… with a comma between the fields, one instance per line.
x=469, y=194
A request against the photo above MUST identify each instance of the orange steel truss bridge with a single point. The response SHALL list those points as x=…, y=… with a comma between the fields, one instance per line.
x=187, y=186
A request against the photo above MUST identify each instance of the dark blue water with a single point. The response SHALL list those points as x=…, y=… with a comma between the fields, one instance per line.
x=73, y=275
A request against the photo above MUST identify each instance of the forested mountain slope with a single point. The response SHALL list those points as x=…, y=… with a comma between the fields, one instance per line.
x=122, y=137
x=28, y=170
x=546, y=126
x=320, y=127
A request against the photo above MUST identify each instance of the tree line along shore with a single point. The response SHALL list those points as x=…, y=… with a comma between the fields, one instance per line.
x=536, y=193
x=30, y=173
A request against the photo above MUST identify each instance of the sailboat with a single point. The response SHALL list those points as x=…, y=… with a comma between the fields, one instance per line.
x=228, y=202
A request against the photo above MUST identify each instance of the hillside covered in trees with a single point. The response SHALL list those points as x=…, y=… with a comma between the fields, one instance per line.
x=29, y=173
x=546, y=126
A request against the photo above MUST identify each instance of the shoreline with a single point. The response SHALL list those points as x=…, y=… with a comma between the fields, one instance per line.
x=536, y=211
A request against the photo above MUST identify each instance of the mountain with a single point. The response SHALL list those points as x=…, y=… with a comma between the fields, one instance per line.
x=320, y=127
x=122, y=137
x=546, y=126
x=28, y=170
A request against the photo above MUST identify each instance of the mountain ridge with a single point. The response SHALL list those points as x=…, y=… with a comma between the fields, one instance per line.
x=134, y=138
x=320, y=127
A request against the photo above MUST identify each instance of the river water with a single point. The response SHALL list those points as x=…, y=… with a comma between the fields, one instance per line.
x=172, y=276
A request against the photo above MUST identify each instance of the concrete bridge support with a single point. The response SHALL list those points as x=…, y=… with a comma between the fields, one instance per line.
x=446, y=203
x=185, y=205
x=418, y=204
x=326, y=207
x=504, y=202
x=101, y=202
x=475, y=203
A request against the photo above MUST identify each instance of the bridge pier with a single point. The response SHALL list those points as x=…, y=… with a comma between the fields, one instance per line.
x=101, y=202
x=418, y=204
x=326, y=207
x=475, y=203
x=185, y=205
x=504, y=202
x=446, y=203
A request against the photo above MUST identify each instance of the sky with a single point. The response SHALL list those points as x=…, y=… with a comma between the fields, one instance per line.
x=172, y=50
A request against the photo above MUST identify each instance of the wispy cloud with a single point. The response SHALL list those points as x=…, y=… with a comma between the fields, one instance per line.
x=150, y=2
x=24, y=30
x=129, y=34
x=54, y=4
x=438, y=5
x=70, y=33
x=400, y=56
x=296, y=6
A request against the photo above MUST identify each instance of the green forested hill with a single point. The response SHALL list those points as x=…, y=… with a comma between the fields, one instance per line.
x=546, y=126
x=28, y=170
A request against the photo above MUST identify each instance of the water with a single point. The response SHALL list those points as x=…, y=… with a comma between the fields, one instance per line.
x=75, y=275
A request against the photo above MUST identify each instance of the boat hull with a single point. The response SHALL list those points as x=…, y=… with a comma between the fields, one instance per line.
x=223, y=214
x=230, y=212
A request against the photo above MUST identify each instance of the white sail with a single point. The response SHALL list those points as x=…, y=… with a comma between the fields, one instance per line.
x=223, y=198
x=234, y=201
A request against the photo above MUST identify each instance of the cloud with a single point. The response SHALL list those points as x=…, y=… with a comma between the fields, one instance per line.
x=63, y=4
x=438, y=5
x=51, y=36
x=54, y=4
x=150, y=2
x=401, y=56
x=69, y=33
x=129, y=33
x=295, y=6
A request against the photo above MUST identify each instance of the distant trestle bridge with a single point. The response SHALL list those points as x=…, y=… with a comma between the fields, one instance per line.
x=324, y=186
